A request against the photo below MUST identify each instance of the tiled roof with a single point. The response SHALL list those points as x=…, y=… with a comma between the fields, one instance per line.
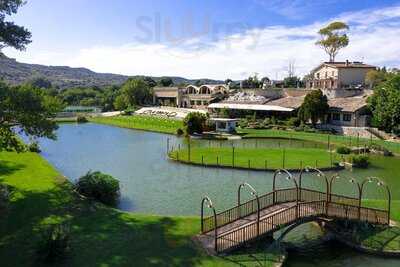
x=293, y=102
x=348, y=65
x=166, y=91
x=348, y=104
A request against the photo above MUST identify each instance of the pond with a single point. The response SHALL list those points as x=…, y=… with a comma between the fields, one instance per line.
x=150, y=183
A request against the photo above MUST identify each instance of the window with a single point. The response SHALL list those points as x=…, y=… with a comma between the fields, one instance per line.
x=346, y=117
x=192, y=103
x=318, y=75
x=326, y=75
x=336, y=116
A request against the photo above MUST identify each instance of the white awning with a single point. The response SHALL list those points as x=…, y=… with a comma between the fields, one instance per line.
x=249, y=107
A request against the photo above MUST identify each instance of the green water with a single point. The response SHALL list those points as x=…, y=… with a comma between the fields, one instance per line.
x=150, y=183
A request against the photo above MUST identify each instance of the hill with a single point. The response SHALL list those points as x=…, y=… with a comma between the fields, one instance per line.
x=15, y=72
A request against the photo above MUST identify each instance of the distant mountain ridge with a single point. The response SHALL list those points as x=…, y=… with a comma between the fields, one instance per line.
x=63, y=77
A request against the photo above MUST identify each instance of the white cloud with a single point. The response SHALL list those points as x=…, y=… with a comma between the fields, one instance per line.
x=374, y=38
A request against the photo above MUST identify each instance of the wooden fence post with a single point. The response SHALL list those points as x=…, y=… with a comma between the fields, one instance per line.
x=283, y=158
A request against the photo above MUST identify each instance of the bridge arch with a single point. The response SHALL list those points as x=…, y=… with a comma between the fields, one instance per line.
x=293, y=226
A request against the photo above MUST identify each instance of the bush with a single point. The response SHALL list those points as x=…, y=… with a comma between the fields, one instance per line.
x=194, y=122
x=99, y=186
x=360, y=161
x=81, y=119
x=293, y=122
x=55, y=242
x=34, y=147
x=343, y=150
x=179, y=132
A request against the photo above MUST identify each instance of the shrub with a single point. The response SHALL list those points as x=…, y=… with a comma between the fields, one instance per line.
x=343, y=150
x=81, y=119
x=179, y=132
x=99, y=186
x=360, y=161
x=34, y=147
x=55, y=242
x=293, y=122
x=194, y=122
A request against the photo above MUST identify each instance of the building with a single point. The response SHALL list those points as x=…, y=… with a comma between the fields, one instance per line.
x=190, y=96
x=340, y=79
x=167, y=96
x=224, y=125
x=349, y=111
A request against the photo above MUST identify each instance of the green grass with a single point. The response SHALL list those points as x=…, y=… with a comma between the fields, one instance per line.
x=320, y=137
x=147, y=123
x=260, y=158
x=100, y=236
x=381, y=238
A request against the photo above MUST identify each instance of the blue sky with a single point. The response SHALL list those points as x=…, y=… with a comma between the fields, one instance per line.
x=209, y=38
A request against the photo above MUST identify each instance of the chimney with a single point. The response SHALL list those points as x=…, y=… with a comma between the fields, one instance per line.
x=347, y=62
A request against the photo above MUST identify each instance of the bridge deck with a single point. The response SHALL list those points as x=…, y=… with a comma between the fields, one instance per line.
x=207, y=239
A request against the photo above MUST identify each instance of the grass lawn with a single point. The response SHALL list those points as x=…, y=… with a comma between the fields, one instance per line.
x=260, y=158
x=100, y=236
x=320, y=137
x=140, y=122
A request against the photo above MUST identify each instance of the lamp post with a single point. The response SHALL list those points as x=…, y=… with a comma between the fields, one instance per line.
x=210, y=206
x=378, y=183
x=319, y=174
x=254, y=193
x=289, y=177
x=359, y=187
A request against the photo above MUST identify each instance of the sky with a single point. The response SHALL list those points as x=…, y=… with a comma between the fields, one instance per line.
x=216, y=39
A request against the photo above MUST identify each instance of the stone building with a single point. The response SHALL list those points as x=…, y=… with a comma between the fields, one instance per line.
x=340, y=79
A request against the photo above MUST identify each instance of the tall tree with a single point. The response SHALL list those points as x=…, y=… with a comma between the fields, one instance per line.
x=166, y=82
x=333, y=38
x=375, y=77
x=11, y=34
x=28, y=110
x=135, y=92
x=314, y=107
x=385, y=105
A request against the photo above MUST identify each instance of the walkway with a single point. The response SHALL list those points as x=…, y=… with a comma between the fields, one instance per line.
x=263, y=215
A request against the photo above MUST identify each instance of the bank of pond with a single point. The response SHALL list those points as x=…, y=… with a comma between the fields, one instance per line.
x=152, y=184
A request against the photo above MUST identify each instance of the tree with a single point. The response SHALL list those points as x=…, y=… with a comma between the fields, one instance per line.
x=28, y=110
x=194, y=122
x=228, y=81
x=120, y=103
x=166, y=82
x=136, y=92
x=333, y=38
x=150, y=81
x=375, y=77
x=291, y=82
x=11, y=34
x=314, y=107
x=40, y=82
x=385, y=105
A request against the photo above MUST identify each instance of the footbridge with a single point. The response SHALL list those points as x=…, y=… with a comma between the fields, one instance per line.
x=265, y=214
